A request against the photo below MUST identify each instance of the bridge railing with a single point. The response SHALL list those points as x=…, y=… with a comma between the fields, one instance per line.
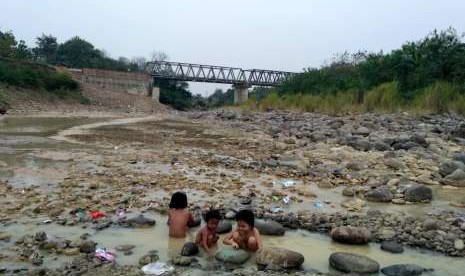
x=217, y=74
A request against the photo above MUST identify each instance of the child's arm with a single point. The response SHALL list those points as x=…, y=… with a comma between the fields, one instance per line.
x=169, y=218
x=229, y=240
x=258, y=237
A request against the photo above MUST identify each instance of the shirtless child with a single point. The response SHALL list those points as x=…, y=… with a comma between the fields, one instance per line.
x=245, y=236
x=179, y=219
x=207, y=237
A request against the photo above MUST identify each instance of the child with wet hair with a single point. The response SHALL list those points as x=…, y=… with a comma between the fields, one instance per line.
x=207, y=237
x=245, y=236
x=179, y=219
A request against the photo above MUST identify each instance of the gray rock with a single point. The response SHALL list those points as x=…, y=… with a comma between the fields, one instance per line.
x=139, y=221
x=380, y=194
x=459, y=157
x=457, y=178
x=189, y=249
x=459, y=131
x=269, y=227
x=40, y=236
x=278, y=258
x=361, y=144
x=362, y=131
x=418, y=193
x=197, y=219
x=350, y=235
x=381, y=146
x=87, y=246
x=430, y=224
x=459, y=245
x=420, y=140
x=230, y=215
x=181, y=260
x=403, y=270
x=348, y=262
x=150, y=257
x=232, y=256
x=449, y=167
x=125, y=247
x=392, y=247
x=224, y=227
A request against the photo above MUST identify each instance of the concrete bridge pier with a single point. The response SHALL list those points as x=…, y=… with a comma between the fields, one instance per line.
x=241, y=93
x=155, y=94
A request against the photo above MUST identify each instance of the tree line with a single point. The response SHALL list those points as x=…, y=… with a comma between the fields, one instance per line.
x=440, y=56
x=75, y=52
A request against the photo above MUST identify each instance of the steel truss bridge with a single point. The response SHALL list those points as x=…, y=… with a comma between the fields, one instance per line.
x=216, y=74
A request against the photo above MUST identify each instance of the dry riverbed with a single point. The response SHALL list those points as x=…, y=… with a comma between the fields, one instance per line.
x=396, y=178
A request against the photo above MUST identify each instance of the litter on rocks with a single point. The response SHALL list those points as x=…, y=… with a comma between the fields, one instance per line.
x=103, y=255
x=318, y=205
x=286, y=183
x=286, y=199
x=97, y=214
x=157, y=268
x=276, y=209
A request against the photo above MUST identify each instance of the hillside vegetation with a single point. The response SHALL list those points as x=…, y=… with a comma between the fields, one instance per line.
x=422, y=76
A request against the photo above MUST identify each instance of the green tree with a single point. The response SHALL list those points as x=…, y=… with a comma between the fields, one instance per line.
x=46, y=50
x=78, y=53
x=7, y=45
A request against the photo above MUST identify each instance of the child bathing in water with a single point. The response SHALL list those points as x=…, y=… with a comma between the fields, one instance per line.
x=245, y=236
x=207, y=237
x=179, y=218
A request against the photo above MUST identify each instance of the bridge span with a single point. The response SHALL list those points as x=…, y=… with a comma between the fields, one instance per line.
x=241, y=79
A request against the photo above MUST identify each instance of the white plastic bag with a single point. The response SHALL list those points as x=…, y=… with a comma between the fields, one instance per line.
x=157, y=268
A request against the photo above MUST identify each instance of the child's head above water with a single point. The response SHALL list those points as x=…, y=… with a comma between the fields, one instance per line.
x=212, y=218
x=178, y=201
x=245, y=220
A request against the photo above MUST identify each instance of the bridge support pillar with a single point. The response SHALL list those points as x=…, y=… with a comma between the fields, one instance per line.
x=156, y=94
x=241, y=93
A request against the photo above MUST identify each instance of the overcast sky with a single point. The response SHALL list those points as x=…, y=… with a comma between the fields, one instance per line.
x=265, y=34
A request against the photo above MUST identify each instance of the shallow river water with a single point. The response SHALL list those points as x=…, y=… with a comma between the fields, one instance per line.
x=22, y=138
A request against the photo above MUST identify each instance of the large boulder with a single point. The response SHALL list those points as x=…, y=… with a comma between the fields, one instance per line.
x=197, y=219
x=87, y=246
x=224, y=227
x=459, y=157
x=232, y=256
x=189, y=249
x=380, y=194
x=449, y=167
x=459, y=131
x=278, y=258
x=139, y=221
x=392, y=246
x=418, y=193
x=457, y=178
x=350, y=235
x=403, y=270
x=269, y=227
x=348, y=262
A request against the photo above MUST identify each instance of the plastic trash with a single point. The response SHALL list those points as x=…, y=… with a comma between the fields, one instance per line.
x=318, y=205
x=97, y=214
x=157, y=268
x=103, y=255
x=275, y=198
x=286, y=183
x=120, y=213
x=286, y=199
x=276, y=209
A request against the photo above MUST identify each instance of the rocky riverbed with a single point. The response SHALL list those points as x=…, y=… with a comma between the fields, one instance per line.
x=396, y=180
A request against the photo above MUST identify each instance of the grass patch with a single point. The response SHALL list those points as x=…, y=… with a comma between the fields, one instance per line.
x=440, y=97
